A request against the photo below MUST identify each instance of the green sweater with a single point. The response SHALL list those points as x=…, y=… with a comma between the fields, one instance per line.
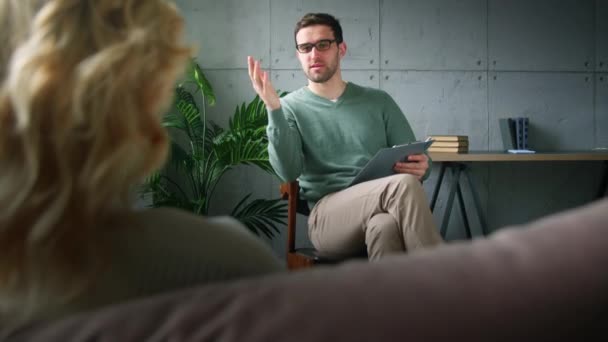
x=324, y=144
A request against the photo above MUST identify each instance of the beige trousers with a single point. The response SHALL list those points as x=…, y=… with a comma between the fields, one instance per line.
x=388, y=215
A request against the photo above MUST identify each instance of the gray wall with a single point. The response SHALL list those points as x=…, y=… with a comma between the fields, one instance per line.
x=454, y=67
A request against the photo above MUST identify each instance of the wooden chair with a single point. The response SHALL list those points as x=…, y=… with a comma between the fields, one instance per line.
x=298, y=258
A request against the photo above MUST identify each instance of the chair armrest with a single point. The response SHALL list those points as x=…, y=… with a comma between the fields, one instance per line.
x=285, y=190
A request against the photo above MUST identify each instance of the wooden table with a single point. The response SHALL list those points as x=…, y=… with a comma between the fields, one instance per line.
x=459, y=164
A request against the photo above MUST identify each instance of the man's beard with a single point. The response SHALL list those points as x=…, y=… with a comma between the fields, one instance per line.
x=321, y=77
x=330, y=71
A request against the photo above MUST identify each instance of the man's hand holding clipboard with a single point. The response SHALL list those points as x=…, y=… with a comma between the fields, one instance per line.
x=406, y=158
x=415, y=164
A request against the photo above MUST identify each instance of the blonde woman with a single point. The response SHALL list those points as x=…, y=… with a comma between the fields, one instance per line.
x=83, y=86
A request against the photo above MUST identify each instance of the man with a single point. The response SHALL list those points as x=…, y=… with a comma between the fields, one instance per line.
x=323, y=134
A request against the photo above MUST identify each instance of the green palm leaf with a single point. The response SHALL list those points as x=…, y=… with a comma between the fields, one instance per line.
x=233, y=148
x=190, y=113
x=174, y=121
x=261, y=216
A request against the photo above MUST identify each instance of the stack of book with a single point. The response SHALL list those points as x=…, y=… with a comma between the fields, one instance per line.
x=449, y=143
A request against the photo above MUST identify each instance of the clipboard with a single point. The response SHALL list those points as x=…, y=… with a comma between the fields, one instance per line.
x=381, y=165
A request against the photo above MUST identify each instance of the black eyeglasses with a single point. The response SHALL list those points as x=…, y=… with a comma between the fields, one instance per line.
x=321, y=45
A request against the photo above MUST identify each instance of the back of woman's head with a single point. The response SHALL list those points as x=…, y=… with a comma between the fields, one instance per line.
x=83, y=85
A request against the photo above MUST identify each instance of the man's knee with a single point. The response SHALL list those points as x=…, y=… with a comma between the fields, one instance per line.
x=383, y=236
x=382, y=226
x=408, y=180
x=404, y=184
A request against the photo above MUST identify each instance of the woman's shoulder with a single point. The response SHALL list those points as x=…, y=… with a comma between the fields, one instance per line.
x=171, y=224
x=173, y=218
x=164, y=244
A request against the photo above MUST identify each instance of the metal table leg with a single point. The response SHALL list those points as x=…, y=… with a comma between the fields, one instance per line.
x=603, y=190
x=463, y=212
x=477, y=202
x=450, y=202
x=438, y=186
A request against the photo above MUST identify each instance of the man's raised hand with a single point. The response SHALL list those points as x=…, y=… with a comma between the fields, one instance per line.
x=262, y=85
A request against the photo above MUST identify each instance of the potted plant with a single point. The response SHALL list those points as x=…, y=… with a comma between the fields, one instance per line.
x=202, y=152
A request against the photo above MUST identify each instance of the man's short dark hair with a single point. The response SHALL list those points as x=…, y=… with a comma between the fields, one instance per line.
x=312, y=19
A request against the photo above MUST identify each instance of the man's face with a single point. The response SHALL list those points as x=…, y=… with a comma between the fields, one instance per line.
x=319, y=66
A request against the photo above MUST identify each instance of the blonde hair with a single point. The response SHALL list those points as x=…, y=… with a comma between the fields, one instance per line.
x=83, y=83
